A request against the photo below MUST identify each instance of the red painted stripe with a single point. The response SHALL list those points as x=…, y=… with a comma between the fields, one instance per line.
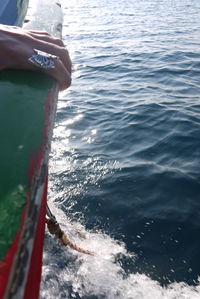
x=32, y=287
x=34, y=277
x=34, y=274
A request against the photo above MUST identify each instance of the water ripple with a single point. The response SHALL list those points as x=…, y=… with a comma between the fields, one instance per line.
x=125, y=153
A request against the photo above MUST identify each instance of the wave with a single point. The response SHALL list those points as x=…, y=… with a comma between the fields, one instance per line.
x=67, y=274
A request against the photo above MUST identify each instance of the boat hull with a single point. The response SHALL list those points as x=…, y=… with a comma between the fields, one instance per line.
x=27, y=111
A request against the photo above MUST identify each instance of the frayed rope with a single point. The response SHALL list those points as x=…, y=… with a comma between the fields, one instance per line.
x=54, y=229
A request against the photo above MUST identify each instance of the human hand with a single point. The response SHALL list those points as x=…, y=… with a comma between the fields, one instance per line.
x=17, y=46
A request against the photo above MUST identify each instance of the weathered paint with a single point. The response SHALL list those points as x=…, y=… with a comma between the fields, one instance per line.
x=27, y=110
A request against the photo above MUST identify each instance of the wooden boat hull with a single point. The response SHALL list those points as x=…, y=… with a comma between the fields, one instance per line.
x=27, y=110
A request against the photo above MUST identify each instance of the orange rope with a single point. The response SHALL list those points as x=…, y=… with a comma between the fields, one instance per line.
x=54, y=229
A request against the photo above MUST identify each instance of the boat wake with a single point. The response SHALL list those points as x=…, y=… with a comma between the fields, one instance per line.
x=69, y=274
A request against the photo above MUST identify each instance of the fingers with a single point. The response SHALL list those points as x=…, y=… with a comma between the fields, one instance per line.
x=17, y=47
x=60, y=52
x=38, y=32
x=43, y=41
x=53, y=67
x=53, y=46
x=60, y=73
x=44, y=36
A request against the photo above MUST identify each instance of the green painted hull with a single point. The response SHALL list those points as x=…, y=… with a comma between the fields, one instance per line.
x=27, y=111
x=22, y=121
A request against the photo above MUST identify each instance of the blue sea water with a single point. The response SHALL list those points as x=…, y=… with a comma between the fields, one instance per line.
x=125, y=161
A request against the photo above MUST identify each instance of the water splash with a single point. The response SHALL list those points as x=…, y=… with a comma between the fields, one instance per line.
x=68, y=274
x=136, y=71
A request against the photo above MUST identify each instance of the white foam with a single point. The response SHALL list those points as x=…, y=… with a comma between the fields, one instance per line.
x=69, y=274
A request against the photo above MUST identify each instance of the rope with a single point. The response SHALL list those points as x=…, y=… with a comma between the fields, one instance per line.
x=54, y=229
x=49, y=214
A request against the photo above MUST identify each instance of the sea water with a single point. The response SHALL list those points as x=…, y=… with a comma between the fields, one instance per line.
x=124, y=176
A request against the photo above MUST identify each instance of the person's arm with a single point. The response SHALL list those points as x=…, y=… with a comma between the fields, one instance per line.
x=17, y=47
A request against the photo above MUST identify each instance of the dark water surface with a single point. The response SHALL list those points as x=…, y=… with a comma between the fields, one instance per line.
x=125, y=162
